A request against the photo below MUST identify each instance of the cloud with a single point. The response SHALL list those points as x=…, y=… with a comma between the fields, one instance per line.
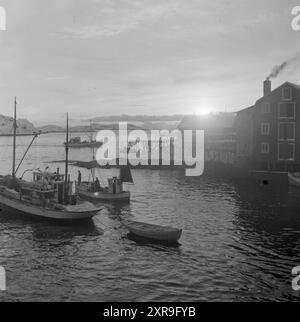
x=119, y=17
x=140, y=56
x=56, y=78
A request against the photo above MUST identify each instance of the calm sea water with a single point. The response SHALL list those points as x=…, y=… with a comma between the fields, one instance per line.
x=238, y=242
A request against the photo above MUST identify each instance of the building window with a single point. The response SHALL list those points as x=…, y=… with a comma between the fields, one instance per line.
x=286, y=152
x=265, y=107
x=265, y=128
x=287, y=93
x=287, y=110
x=286, y=131
x=265, y=148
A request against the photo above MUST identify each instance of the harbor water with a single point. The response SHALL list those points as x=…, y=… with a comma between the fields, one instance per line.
x=239, y=242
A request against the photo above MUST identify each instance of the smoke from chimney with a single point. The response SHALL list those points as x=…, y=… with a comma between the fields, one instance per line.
x=280, y=68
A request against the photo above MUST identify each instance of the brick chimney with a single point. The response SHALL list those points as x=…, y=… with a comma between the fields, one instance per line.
x=267, y=87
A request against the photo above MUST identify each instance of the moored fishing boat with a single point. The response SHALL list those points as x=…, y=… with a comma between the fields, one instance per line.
x=153, y=232
x=114, y=192
x=95, y=192
x=43, y=197
x=86, y=191
x=49, y=195
x=10, y=200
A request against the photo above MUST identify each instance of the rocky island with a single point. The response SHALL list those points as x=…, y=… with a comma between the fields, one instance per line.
x=23, y=126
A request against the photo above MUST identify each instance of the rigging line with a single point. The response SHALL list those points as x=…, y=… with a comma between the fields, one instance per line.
x=24, y=156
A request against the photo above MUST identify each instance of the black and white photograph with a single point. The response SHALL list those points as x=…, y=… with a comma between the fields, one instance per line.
x=149, y=153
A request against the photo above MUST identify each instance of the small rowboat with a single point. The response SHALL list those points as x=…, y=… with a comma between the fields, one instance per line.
x=153, y=232
x=294, y=179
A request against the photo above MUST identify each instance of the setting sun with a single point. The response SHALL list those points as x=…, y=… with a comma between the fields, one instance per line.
x=204, y=110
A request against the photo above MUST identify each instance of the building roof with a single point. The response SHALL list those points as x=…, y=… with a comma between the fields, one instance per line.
x=297, y=87
x=248, y=109
x=294, y=85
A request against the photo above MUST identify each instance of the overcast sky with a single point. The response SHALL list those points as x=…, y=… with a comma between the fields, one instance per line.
x=108, y=57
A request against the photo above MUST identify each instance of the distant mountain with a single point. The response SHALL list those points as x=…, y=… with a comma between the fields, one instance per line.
x=84, y=128
x=167, y=125
x=137, y=118
x=99, y=127
x=23, y=126
x=51, y=128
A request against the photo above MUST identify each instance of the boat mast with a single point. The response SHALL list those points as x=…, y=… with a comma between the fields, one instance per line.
x=67, y=162
x=93, y=153
x=93, y=169
x=14, y=140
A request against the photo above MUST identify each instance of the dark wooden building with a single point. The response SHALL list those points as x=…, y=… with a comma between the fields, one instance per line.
x=268, y=133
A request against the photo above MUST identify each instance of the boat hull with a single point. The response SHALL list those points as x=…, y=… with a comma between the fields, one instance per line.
x=104, y=196
x=33, y=211
x=84, y=145
x=153, y=232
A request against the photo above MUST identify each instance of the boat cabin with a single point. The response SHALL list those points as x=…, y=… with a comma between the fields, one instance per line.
x=39, y=176
x=115, y=185
x=75, y=140
x=47, y=188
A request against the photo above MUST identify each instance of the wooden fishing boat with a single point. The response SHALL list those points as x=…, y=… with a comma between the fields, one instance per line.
x=77, y=143
x=85, y=190
x=294, y=179
x=113, y=192
x=49, y=195
x=154, y=232
x=10, y=200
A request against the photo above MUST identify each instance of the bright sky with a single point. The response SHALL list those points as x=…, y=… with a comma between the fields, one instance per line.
x=108, y=57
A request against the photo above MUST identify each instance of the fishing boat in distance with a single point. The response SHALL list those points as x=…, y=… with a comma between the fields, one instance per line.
x=49, y=195
x=77, y=143
x=153, y=232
